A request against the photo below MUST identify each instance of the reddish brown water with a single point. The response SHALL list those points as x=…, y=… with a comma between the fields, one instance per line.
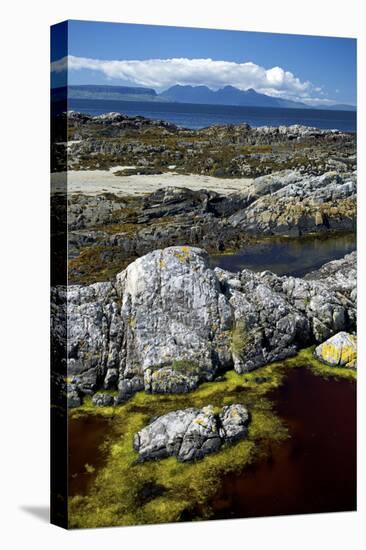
x=315, y=470
x=86, y=436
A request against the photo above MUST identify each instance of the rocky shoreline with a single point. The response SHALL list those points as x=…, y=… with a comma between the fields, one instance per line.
x=107, y=232
x=148, y=146
x=289, y=181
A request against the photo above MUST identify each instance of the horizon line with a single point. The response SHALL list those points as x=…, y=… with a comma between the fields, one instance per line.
x=197, y=86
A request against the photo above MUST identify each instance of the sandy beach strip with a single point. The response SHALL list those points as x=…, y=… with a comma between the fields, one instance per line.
x=95, y=182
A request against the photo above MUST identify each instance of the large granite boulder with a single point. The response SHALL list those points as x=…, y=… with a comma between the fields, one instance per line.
x=176, y=320
x=338, y=351
x=191, y=434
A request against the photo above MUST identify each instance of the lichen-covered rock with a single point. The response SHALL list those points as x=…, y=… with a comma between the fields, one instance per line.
x=234, y=421
x=170, y=322
x=191, y=434
x=101, y=399
x=327, y=296
x=291, y=203
x=94, y=334
x=176, y=320
x=338, y=351
x=267, y=325
x=172, y=380
x=201, y=437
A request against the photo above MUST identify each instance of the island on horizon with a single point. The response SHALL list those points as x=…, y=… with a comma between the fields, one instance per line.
x=201, y=95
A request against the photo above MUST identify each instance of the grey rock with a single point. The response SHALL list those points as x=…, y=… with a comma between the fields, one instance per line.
x=234, y=422
x=191, y=434
x=201, y=436
x=102, y=399
x=94, y=334
x=73, y=398
x=127, y=387
x=170, y=380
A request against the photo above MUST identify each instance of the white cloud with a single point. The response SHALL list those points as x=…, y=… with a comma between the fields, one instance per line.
x=315, y=101
x=163, y=73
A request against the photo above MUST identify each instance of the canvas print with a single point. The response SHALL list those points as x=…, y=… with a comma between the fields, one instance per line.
x=203, y=300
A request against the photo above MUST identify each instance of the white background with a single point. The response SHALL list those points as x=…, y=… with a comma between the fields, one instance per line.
x=24, y=195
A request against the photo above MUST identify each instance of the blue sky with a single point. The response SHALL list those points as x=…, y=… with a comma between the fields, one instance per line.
x=307, y=68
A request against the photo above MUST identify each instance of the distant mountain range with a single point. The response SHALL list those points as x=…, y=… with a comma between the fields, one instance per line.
x=229, y=95
x=226, y=96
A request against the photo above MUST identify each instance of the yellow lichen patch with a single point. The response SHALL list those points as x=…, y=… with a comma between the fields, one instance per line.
x=338, y=356
x=162, y=263
x=132, y=322
x=318, y=218
x=200, y=422
x=183, y=254
x=339, y=350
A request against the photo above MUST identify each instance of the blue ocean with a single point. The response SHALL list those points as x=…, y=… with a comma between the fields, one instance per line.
x=189, y=115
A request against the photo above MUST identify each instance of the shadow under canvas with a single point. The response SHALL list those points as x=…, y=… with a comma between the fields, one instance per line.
x=40, y=512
